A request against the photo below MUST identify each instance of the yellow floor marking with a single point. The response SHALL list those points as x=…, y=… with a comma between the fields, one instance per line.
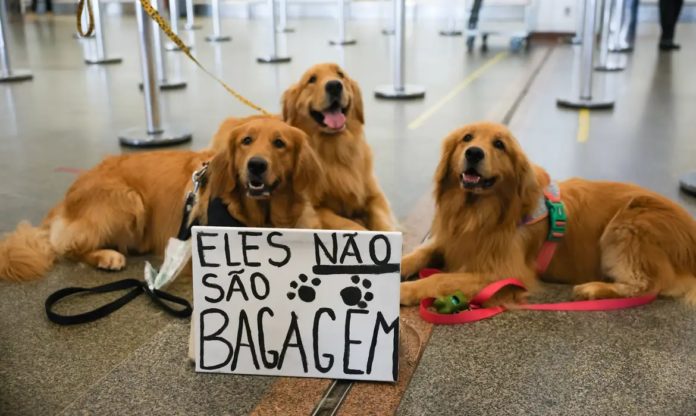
x=456, y=90
x=583, y=125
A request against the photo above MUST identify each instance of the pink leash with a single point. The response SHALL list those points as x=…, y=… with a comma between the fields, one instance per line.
x=478, y=312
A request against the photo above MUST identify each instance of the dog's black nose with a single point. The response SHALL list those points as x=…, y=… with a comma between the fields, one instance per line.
x=257, y=165
x=334, y=87
x=474, y=154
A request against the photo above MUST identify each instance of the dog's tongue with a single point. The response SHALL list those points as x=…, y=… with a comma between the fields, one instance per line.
x=468, y=178
x=334, y=119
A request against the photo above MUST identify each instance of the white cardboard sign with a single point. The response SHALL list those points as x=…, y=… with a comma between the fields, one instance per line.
x=288, y=302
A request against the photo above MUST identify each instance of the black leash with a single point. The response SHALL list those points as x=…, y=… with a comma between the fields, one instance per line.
x=139, y=287
x=217, y=215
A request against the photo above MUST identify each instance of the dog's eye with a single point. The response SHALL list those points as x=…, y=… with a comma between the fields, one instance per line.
x=468, y=138
x=340, y=74
x=498, y=144
x=312, y=79
x=247, y=140
x=278, y=144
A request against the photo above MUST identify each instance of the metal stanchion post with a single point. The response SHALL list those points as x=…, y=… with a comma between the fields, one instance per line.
x=102, y=57
x=190, y=25
x=604, y=59
x=273, y=57
x=216, y=36
x=399, y=90
x=164, y=81
x=155, y=133
x=7, y=74
x=585, y=99
x=624, y=26
x=390, y=30
x=283, y=11
x=342, y=37
x=174, y=24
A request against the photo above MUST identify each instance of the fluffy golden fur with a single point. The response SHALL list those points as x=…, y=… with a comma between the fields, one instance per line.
x=621, y=240
x=134, y=202
x=327, y=105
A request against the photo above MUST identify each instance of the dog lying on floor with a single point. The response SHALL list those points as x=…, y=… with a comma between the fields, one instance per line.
x=635, y=240
x=134, y=202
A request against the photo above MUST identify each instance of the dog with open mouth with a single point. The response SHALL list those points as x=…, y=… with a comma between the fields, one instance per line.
x=491, y=222
x=262, y=175
x=327, y=105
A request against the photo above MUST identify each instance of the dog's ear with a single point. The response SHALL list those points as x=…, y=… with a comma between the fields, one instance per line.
x=443, y=168
x=289, y=102
x=532, y=180
x=222, y=177
x=308, y=177
x=357, y=101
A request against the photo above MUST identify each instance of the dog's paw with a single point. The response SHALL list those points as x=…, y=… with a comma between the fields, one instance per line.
x=588, y=291
x=110, y=260
x=409, y=267
x=409, y=295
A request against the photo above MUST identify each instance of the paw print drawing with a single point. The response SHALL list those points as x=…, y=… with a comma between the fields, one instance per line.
x=353, y=295
x=305, y=289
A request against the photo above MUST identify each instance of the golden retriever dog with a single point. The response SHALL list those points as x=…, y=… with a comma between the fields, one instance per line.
x=134, y=203
x=621, y=240
x=327, y=105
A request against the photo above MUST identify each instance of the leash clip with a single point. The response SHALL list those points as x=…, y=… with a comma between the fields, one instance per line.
x=199, y=179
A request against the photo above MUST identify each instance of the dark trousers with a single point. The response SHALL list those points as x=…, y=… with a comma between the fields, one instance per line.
x=669, y=14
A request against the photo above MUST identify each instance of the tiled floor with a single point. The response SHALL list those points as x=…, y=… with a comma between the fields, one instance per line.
x=630, y=362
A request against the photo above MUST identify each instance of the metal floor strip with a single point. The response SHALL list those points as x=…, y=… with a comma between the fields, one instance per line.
x=332, y=398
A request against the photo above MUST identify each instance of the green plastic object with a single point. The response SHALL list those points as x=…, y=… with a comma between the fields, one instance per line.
x=453, y=303
x=557, y=220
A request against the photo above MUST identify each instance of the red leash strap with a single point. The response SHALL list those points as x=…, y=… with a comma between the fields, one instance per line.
x=478, y=312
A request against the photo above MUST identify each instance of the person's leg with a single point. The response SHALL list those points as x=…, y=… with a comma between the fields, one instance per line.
x=669, y=14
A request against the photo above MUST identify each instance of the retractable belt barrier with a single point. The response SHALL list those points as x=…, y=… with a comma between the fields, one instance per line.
x=154, y=15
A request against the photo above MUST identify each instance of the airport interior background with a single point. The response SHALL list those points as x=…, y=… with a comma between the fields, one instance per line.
x=512, y=65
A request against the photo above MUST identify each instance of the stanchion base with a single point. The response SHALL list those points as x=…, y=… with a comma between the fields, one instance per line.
x=407, y=93
x=221, y=38
x=192, y=27
x=169, y=84
x=610, y=67
x=17, y=75
x=591, y=104
x=173, y=47
x=575, y=40
x=387, y=32
x=139, y=137
x=687, y=183
x=450, y=33
x=285, y=30
x=273, y=59
x=343, y=42
x=625, y=49
x=110, y=60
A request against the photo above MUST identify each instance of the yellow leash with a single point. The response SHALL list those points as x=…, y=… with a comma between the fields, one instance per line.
x=154, y=15
x=90, y=28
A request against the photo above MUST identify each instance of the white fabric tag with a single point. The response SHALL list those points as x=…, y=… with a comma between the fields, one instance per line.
x=176, y=255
